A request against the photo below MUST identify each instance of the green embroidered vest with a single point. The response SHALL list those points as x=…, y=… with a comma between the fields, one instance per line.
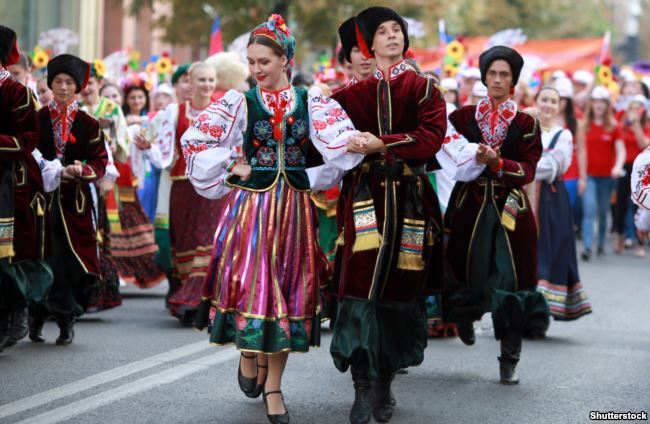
x=273, y=159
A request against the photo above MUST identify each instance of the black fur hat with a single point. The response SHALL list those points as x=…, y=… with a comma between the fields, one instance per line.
x=504, y=53
x=369, y=20
x=348, y=35
x=70, y=65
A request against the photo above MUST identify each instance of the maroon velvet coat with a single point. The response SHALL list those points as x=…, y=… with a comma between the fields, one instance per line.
x=520, y=151
x=74, y=197
x=18, y=138
x=407, y=112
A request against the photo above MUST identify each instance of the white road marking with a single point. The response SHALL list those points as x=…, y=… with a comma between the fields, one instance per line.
x=90, y=403
x=48, y=396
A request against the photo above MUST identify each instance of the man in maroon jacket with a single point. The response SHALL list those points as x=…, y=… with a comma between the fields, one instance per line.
x=492, y=247
x=23, y=238
x=74, y=138
x=390, y=217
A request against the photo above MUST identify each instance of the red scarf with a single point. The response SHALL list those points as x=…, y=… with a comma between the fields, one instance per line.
x=61, y=125
x=494, y=120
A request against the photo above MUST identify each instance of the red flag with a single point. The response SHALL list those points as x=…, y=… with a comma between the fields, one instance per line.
x=216, y=44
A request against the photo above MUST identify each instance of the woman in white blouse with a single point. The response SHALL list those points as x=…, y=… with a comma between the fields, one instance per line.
x=263, y=151
x=559, y=280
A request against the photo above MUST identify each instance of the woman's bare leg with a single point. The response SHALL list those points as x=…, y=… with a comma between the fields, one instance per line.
x=274, y=401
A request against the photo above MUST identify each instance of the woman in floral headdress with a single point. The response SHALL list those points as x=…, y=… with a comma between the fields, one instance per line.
x=134, y=248
x=264, y=151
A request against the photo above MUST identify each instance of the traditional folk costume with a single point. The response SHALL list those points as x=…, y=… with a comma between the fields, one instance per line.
x=71, y=135
x=492, y=248
x=132, y=246
x=192, y=217
x=106, y=294
x=267, y=266
x=443, y=182
x=24, y=243
x=327, y=201
x=161, y=221
x=391, y=225
x=640, y=185
x=557, y=262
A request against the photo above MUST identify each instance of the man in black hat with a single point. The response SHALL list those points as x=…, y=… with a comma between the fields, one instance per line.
x=23, y=273
x=362, y=67
x=75, y=139
x=390, y=217
x=492, y=232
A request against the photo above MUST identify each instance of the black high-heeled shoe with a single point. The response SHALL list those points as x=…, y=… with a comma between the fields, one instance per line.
x=259, y=387
x=276, y=418
x=246, y=384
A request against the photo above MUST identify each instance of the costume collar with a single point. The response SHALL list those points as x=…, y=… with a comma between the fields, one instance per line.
x=283, y=100
x=62, y=121
x=353, y=81
x=494, y=120
x=191, y=112
x=394, y=71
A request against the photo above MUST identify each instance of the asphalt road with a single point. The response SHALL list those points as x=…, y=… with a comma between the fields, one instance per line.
x=136, y=364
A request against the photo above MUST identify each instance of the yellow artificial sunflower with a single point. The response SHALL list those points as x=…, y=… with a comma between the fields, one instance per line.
x=164, y=65
x=100, y=68
x=40, y=59
x=149, y=68
x=605, y=75
x=456, y=51
x=450, y=70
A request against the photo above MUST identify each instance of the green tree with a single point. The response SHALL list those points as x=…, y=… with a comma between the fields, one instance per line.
x=538, y=18
x=315, y=22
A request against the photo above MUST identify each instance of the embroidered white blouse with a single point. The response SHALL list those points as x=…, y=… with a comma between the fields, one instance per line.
x=554, y=162
x=208, y=153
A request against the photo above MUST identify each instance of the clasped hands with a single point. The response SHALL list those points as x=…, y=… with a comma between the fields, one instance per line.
x=365, y=143
x=72, y=171
x=487, y=155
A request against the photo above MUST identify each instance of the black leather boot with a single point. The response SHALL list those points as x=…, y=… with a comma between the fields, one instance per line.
x=510, y=352
x=18, y=326
x=35, y=326
x=66, y=328
x=360, y=412
x=466, y=332
x=382, y=409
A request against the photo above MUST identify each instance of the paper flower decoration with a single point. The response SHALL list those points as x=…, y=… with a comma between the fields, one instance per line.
x=605, y=75
x=100, y=68
x=456, y=51
x=40, y=58
x=164, y=65
x=450, y=70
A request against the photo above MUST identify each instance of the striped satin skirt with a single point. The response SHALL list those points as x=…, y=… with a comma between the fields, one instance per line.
x=266, y=271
